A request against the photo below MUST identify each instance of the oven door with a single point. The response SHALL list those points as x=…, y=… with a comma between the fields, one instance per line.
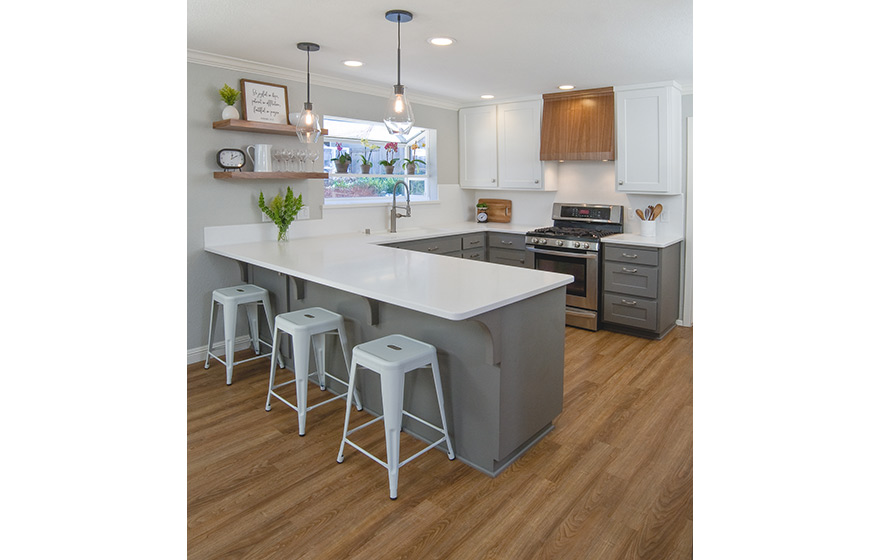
x=584, y=291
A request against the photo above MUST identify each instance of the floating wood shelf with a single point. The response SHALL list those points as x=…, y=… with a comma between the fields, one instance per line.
x=269, y=175
x=239, y=125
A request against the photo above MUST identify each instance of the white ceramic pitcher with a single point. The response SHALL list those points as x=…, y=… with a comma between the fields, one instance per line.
x=261, y=156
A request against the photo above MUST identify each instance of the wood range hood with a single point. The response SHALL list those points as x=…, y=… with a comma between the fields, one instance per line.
x=578, y=125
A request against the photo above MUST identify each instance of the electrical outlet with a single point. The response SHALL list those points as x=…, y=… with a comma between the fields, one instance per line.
x=303, y=213
x=265, y=217
x=664, y=216
x=631, y=213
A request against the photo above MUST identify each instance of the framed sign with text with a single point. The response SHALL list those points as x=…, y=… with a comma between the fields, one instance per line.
x=264, y=102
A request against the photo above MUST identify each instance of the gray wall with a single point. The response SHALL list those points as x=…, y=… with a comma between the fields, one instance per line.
x=213, y=202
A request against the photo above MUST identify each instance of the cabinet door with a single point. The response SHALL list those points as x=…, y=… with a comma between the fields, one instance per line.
x=648, y=140
x=478, y=160
x=519, y=144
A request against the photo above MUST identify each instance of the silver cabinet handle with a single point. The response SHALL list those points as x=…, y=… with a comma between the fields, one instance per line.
x=493, y=180
x=477, y=256
x=503, y=242
x=620, y=182
x=629, y=270
x=537, y=181
x=430, y=249
x=626, y=302
x=475, y=242
x=627, y=255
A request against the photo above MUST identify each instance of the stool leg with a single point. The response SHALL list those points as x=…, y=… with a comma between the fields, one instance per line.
x=343, y=343
x=253, y=326
x=270, y=320
x=392, y=409
x=210, y=333
x=319, y=344
x=301, y=372
x=351, y=375
x=230, y=313
x=435, y=368
x=272, y=369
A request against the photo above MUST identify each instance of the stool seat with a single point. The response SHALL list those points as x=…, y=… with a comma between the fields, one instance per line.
x=392, y=357
x=305, y=326
x=250, y=296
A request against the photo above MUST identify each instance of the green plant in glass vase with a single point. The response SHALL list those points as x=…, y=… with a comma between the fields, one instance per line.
x=282, y=211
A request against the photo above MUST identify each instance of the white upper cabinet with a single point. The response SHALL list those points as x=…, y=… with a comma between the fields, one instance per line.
x=499, y=146
x=648, y=120
x=478, y=152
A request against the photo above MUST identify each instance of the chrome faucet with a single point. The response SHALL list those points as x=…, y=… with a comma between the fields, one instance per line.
x=394, y=214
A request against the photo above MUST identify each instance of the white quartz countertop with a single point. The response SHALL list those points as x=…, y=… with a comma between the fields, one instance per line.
x=659, y=242
x=438, y=285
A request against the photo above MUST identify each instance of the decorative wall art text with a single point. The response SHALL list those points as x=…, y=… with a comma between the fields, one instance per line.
x=264, y=102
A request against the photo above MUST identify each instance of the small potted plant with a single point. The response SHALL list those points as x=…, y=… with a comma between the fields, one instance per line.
x=367, y=157
x=342, y=160
x=411, y=165
x=388, y=162
x=282, y=211
x=229, y=95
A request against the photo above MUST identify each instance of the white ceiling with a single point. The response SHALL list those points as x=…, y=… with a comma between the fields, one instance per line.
x=512, y=49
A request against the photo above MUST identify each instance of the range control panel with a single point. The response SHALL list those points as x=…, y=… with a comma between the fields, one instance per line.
x=588, y=212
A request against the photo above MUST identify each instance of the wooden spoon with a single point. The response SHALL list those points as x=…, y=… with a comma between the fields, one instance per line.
x=640, y=214
x=657, y=210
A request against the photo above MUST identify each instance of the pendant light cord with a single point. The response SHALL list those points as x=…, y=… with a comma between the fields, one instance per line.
x=308, y=76
x=398, y=49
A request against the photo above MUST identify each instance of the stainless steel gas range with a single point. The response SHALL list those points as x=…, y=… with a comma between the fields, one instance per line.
x=573, y=246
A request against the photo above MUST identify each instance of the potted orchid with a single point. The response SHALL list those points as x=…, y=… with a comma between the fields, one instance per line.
x=367, y=157
x=342, y=160
x=388, y=162
x=411, y=165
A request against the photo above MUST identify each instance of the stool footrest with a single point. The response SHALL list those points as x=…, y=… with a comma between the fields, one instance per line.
x=429, y=447
x=216, y=357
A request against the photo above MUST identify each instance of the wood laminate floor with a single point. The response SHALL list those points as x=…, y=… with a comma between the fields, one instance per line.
x=613, y=480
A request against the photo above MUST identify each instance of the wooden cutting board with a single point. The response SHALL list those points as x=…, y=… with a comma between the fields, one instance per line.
x=500, y=210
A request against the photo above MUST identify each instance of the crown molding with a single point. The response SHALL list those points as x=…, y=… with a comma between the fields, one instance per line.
x=241, y=65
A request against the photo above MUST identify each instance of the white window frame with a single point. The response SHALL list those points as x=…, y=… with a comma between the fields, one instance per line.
x=430, y=168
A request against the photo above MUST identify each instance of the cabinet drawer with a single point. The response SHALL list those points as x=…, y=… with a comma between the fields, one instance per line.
x=641, y=255
x=437, y=245
x=473, y=241
x=474, y=254
x=509, y=257
x=507, y=240
x=637, y=280
x=630, y=311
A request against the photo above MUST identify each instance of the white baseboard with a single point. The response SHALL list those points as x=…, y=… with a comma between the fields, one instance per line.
x=194, y=355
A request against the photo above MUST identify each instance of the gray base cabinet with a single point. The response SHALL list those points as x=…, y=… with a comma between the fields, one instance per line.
x=495, y=247
x=507, y=248
x=640, y=292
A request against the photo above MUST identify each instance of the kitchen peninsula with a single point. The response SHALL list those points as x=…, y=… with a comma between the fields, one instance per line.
x=499, y=330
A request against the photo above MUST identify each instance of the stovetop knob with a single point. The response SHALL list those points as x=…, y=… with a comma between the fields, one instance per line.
x=560, y=243
x=577, y=244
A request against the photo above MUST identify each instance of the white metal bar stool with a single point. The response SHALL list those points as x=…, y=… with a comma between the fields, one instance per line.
x=250, y=296
x=392, y=357
x=306, y=325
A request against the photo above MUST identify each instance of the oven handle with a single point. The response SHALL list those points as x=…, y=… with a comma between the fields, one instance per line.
x=585, y=256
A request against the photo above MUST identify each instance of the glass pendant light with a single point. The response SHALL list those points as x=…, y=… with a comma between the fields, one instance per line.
x=308, y=125
x=398, y=113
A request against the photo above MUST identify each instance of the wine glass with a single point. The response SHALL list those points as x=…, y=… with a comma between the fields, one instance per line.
x=277, y=156
x=314, y=157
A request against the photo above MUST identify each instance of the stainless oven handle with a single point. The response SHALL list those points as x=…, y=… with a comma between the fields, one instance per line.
x=585, y=256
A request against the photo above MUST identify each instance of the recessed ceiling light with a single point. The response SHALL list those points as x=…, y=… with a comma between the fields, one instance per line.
x=441, y=41
x=487, y=96
x=566, y=87
x=353, y=63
